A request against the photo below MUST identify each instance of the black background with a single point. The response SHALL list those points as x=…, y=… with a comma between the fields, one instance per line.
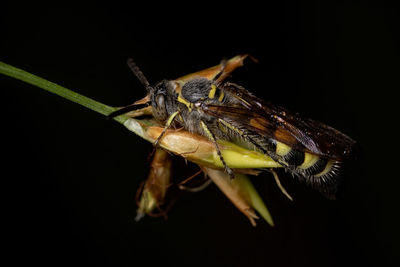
x=69, y=176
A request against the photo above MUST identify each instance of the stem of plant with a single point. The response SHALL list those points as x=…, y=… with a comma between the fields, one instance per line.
x=54, y=88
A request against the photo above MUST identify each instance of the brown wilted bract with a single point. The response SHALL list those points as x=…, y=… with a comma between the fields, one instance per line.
x=152, y=196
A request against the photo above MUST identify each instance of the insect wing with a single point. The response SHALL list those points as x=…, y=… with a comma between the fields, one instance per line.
x=326, y=141
x=281, y=125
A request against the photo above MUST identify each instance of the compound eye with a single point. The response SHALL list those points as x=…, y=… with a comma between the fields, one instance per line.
x=160, y=100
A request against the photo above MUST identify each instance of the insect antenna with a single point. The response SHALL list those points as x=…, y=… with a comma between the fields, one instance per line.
x=139, y=74
x=143, y=80
x=124, y=110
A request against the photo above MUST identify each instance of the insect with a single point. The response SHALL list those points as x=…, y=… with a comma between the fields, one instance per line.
x=206, y=103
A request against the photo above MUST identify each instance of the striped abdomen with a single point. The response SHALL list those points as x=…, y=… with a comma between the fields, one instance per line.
x=319, y=172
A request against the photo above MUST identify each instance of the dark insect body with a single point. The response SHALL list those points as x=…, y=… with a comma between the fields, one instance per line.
x=204, y=103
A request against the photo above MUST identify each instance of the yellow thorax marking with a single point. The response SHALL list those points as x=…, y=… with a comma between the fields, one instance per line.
x=221, y=96
x=211, y=94
x=185, y=102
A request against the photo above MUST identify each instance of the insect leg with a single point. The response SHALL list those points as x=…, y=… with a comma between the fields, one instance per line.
x=223, y=64
x=190, y=178
x=242, y=134
x=167, y=125
x=211, y=136
x=278, y=183
x=228, y=66
x=197, y=188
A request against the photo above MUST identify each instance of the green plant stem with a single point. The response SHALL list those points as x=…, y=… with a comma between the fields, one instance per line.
x=59, y=90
